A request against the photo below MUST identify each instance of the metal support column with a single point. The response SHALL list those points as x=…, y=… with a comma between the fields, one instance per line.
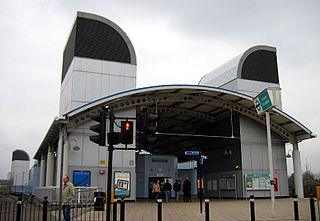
x=50, y=167
x=66, y=155
x=298, y=186
x=59, y=157
x=270, y=164
x=42, y=170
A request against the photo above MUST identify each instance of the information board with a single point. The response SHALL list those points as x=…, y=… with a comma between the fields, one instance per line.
x=81, y=178
x=257, y=181
x=227, y=182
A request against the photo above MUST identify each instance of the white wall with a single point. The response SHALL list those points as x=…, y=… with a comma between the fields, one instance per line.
x=90, y=157
x=254, y=154
x=91, y=79
x=20, y=172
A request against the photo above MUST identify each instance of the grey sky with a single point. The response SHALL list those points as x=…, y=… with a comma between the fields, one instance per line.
x=176, y=42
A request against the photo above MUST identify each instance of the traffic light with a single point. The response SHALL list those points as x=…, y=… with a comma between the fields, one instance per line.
x=148, y=127
x=126, y=132
x=99, y=128
x=114, y=138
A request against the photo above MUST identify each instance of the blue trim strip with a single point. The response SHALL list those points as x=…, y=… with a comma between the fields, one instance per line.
x=157, y=86
x=292, y=118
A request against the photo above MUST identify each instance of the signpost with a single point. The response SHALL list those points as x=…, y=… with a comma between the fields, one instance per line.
x=200, y=162
x=263, y=102
x=267, y=99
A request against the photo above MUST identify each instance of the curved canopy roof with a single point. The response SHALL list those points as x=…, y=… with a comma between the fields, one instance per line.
x=182, y=108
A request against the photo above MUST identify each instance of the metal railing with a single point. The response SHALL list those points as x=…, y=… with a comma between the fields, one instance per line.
x=82, y=194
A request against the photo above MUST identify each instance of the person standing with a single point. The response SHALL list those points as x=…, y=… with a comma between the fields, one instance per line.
x=67, y=196
x=176, y=188
x=156, y=189
x=167, y=190
x=187, y=190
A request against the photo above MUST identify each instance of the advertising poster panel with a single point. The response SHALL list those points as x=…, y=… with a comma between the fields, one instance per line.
x=122, y=184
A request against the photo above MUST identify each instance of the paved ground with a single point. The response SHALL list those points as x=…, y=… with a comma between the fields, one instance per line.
x=219, y=210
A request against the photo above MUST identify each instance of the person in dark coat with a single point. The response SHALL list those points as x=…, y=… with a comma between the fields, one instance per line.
x=167, y=190
x=176, y=188
x=187, y=190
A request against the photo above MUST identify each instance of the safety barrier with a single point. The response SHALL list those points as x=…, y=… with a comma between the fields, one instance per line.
x=29, y=207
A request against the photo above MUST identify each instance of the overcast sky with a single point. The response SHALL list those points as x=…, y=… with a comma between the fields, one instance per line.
x=176, y=42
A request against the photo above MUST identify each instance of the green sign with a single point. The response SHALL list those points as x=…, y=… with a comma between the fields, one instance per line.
x=263, y=102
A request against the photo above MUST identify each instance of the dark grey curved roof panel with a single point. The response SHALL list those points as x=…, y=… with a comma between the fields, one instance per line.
x=96, y=37
x=20, y=155
x=260, y=65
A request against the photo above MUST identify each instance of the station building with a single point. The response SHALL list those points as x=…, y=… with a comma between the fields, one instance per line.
x=19, y=174
x=217, y=116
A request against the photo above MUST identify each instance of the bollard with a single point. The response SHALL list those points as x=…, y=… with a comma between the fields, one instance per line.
x=312, y=209
x=206, y=202
x=45, y=209
x=295, y=207
x=159, y=209
x=122, y=209
x=253, y=218
x=19, y=203
x=115, y=210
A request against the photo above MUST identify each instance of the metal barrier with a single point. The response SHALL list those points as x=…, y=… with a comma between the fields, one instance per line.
x=82, y=194
x=159, y=209
x=252, y=212
x=312, y=208
x=28, y=207
x=207, y=217
x=296, y=207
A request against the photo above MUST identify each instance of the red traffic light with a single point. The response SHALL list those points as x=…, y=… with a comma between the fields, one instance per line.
x=126, y=132
x=127, y=126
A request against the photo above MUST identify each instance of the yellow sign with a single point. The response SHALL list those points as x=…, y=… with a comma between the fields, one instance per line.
x=102, y=162
x=318, y=192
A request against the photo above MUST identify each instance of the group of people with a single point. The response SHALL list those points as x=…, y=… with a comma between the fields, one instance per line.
x=167, y=187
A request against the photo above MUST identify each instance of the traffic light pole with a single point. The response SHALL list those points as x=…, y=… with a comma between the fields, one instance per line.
x=110, y=151
x=200, y=181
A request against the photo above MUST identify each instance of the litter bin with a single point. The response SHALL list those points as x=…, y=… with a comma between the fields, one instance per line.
x=99, y=200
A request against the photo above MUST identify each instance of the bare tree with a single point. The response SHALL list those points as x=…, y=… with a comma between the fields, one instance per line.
x=308, y=174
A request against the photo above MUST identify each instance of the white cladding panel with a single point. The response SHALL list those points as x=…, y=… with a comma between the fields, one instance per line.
x=20, y=172
x=91, y=79
x=105, y=81
x=249, y=87
x=91, y=157
x=117, y=68
x=93, y=87
x=78, y=92
x=90, y=154
x=254, y=154
x=116, y=84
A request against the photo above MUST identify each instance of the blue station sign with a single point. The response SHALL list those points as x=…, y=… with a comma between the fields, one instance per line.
x=192, y=152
